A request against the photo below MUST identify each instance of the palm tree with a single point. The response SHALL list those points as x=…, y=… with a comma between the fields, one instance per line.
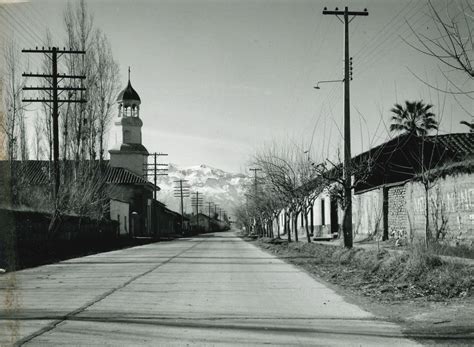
x=470, y=125
x=414, y=118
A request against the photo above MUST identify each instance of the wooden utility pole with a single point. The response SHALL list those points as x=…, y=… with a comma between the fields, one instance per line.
x=54, y=90
x=196, y=201
x=154, y=170
x=209, y=203
x=220, y=213
x=347, y=223
x=181, y=190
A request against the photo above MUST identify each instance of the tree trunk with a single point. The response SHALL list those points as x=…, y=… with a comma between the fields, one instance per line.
x=427, y=216
x=347, y=228
x=308, y=236
x=278, y=226
x=295, y=226
x=287, y=226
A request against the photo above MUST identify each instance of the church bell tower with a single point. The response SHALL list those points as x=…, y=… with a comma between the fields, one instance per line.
x=128, y=151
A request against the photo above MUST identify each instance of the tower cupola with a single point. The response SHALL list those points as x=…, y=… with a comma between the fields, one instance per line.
x=128, y=151
x=129, y=101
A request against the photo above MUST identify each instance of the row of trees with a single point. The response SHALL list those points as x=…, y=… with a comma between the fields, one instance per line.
x=284, y=186
x=291, y=181
x=83, y=127
x=288, y=176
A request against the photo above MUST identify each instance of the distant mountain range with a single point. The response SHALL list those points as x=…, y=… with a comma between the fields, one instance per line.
x=223, y=188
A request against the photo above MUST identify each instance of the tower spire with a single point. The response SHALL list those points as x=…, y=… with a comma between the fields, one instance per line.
x=129, y=74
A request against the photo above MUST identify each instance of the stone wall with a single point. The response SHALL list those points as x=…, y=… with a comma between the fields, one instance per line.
x=397, y=212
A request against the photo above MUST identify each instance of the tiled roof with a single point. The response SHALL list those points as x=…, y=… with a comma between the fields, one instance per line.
x=395, y=160
x=35, y=172
x=460, y=143
x=119, y=175
x=39, y=172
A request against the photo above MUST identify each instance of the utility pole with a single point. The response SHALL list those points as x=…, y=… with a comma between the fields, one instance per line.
x=154, y=170
x=347, y=223
x=209, y=203
x=54, y=90
x=181, y=190
x=196, y=202
x=255, y=185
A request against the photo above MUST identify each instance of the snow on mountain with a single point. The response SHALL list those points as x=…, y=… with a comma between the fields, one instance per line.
x=217, y=186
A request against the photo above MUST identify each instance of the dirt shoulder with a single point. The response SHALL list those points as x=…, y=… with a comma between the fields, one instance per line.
x=432, y=301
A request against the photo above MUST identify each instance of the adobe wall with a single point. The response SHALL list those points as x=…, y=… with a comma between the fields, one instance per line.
x=367, y=217
x=119, y=211
x=451, y=200
x=136, y=196
x=320, y=229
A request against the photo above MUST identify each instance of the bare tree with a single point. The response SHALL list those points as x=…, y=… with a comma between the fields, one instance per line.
x=85, y=125
x=14, y=120
x=107, y=84
x=46, y=108
x=38, y=137
x=452, y=45
x=288, y=176
x=76, y=119
x=330, y=173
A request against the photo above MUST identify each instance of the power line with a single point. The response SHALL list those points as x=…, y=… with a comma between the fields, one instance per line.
x=155, y=169
x=27, y=27
x=196, y=202
x=347, y=225
x=209, y=203
x=181, y=190
x=375, y=53
x=386, y=29
x=55, y=78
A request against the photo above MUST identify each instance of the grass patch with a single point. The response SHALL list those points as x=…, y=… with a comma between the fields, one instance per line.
x=462, y=251
x=380, y=274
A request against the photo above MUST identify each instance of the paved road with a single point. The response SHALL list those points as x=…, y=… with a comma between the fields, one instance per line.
x=213, y=290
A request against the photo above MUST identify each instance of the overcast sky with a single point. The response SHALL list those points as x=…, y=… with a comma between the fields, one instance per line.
x=217, y=79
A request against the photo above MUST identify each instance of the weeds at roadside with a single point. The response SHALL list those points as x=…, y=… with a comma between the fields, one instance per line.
x=380, y=274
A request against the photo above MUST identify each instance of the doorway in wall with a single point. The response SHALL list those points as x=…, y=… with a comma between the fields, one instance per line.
x=334, y=216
